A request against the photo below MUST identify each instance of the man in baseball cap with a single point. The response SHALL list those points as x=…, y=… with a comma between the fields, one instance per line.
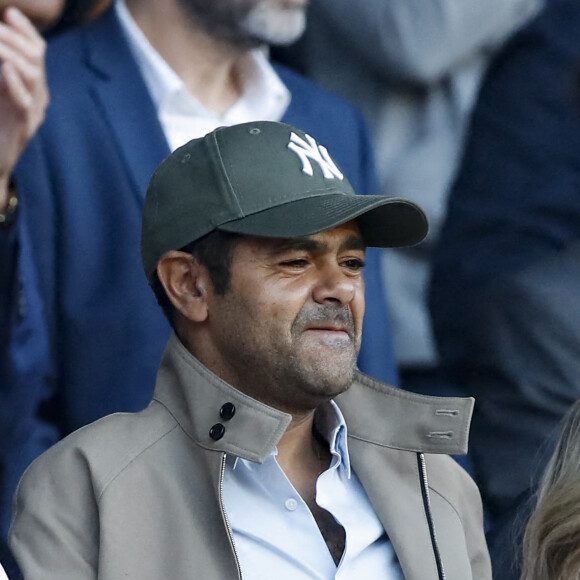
x=264, y=452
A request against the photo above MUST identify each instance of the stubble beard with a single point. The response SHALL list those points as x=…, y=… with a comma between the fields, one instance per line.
x=316, y=383
x=324, y=370
x=300, y=381
x=274, y=25
x=298, y=373
x=246, y=24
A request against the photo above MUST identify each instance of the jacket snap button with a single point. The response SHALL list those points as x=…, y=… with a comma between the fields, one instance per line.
x=227, y=411
x=217, y=431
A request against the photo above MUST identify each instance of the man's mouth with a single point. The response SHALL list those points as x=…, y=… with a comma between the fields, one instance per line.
x=328, y=323
x=331, y=333
x=328, y=328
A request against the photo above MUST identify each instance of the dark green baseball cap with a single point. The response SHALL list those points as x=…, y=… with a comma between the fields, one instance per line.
x=263, y=179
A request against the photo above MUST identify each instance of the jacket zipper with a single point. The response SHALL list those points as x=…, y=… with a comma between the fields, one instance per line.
x=427, y=505
x=225, y=516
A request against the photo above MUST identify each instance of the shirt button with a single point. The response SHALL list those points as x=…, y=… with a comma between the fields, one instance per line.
x=217, y=431
x=227, y=411
x=291, y=504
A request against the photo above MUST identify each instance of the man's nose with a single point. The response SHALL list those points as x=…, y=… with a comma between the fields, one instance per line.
x=334, y=284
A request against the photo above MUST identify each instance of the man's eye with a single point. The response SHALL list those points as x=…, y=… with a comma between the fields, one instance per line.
x=354, y=264
x=296, y=263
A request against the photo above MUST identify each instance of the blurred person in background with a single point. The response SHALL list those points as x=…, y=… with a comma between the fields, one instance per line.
x=552, y=539
x=23, y=101
x=505, y=291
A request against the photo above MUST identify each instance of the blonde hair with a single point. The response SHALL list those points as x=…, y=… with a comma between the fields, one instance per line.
x=551, y=547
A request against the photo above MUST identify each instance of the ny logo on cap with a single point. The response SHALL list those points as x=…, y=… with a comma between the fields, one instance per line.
x=310, y=150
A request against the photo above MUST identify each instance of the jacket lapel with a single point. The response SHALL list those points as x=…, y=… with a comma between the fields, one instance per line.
x=391, y=479
x=121, y=95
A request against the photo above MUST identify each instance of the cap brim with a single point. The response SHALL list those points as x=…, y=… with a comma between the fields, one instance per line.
x=384, y=222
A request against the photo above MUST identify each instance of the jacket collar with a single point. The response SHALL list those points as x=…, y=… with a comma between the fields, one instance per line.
x=195, y=396
x=391, y=417
x=374, y=412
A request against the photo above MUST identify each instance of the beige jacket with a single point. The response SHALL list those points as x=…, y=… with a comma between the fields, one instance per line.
x=140, y=495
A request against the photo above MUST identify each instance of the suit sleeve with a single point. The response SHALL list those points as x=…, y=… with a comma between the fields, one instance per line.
x=8, y=246
x=527, y=376
x=27, y=362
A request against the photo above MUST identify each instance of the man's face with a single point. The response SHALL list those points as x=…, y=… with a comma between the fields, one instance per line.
x=249, y=23
x=288, y=331
x=43, y=13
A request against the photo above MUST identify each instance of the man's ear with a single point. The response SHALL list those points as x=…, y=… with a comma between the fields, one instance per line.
x=186, y=284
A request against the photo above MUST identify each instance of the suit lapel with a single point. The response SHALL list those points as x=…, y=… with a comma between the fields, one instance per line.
x=121, y=95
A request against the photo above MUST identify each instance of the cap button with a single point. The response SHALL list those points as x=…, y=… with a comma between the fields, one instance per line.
x=217, y=431
x=227, y=411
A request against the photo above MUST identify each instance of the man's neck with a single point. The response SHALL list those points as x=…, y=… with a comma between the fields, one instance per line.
x=206, y=66
x=303, y=456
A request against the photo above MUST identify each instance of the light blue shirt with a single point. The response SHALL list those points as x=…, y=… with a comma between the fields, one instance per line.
x=275, y=534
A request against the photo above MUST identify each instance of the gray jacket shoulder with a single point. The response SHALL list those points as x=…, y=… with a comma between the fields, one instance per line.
x=104, y=448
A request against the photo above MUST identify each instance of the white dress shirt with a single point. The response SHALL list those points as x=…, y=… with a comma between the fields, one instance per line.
x=3, y=574
x=264, y=96
x=276, y=535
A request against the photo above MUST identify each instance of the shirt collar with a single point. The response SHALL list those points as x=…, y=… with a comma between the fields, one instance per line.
x=264, y=95
x=331, y=426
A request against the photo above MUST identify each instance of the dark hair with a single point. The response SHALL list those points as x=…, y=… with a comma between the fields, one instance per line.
x=75, y=13
x=214, y=251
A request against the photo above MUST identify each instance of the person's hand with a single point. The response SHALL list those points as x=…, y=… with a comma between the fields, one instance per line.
x=23, y=91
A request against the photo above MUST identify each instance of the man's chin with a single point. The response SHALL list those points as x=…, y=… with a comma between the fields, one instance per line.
x=275, y=29
x=332, y=375
x=332, y=386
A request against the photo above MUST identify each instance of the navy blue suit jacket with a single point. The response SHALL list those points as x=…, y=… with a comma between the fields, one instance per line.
x=89, y=334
